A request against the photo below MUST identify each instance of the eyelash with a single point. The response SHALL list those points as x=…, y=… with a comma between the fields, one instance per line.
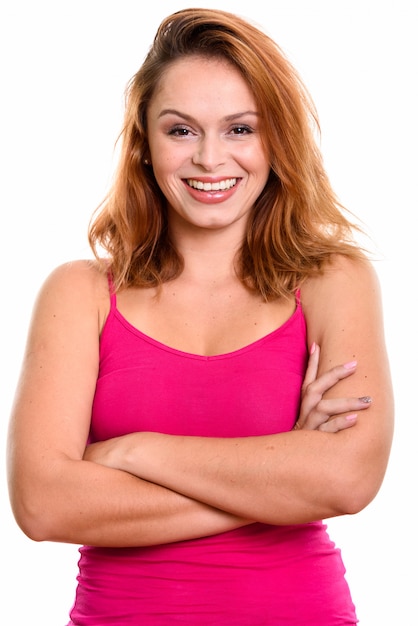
x=182, y=131
x=179, y=131
x=243, y=127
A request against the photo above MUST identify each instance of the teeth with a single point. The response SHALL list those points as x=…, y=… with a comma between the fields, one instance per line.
x=220, y=185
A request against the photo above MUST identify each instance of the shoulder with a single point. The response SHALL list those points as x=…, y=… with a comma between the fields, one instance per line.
x=84, y=272
x=346, y=293
x=338, y=276
x=76, y=287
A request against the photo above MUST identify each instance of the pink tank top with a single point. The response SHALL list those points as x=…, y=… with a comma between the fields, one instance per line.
x=252, y=576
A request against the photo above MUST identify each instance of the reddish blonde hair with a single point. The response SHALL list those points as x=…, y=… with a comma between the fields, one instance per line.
x=297, y=223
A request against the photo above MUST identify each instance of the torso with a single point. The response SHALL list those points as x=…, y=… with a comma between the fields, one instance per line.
x=150, y=377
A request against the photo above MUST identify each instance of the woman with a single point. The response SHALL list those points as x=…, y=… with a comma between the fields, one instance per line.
x=200, y=359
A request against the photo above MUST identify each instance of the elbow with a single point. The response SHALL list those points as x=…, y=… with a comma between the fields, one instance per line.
x=32, y=526
x=32, y=530
x=40, y=503
x=33, y=518
x=359, y=478
x=353, y=495
x=353, y=503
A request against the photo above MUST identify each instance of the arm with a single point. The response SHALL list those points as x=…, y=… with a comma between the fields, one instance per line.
x=55, y=494
x=302, y=475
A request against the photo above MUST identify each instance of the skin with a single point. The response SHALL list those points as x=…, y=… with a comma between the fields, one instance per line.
x=149, y=488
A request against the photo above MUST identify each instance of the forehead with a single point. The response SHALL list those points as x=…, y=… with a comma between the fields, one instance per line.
x=200, y=81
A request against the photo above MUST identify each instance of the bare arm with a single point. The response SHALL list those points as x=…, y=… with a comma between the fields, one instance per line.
x=303, y=475
x=55, y=494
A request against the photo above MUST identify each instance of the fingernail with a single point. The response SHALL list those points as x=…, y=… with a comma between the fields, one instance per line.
x=351, y=418
x=313, y=346
x=351, y=365
x=365, y=399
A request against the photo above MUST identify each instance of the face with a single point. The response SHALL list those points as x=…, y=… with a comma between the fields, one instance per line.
x=205, y=145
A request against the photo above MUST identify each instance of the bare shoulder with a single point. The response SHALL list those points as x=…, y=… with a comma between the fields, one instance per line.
x=342, y=276
x=79, y=285
x=343, y=311
x=344, y=285
x=85, y=275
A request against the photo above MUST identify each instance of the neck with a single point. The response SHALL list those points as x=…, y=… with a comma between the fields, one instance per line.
x=208, y=254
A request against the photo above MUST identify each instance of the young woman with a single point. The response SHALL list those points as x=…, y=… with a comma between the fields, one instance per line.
x=193, y=404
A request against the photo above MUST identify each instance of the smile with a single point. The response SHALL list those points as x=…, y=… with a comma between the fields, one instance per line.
x=220, y=185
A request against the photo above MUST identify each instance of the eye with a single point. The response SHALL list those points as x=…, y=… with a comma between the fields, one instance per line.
x=179, y=131
x=241, y=129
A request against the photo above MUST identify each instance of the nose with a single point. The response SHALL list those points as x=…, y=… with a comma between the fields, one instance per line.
x=209, y=153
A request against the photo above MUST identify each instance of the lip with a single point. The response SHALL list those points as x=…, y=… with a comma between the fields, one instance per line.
x=211, y=197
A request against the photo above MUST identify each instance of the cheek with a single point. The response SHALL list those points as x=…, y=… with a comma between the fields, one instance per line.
x=168, y=165
x=254, y=159
x=169, y=184
x=165, y=162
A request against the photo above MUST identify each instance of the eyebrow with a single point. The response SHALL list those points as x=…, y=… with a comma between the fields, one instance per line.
x=228, y=118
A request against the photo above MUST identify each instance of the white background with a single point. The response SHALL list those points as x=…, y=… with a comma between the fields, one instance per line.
x=64, y=70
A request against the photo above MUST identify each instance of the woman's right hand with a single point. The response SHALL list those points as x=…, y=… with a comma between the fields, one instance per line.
x=327, y=415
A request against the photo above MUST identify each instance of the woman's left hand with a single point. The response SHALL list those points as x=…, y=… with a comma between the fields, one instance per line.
x=327, y=414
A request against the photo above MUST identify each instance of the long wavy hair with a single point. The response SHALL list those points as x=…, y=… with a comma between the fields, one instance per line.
x=296, y=224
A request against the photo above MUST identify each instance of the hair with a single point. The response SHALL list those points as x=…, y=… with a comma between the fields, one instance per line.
x=296, y=225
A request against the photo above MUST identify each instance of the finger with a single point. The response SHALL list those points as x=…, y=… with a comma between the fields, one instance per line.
x=339, y=423
x=312, y=392
x=327, y=410
x=331, y=378
x=331, y=407
x=312, y=368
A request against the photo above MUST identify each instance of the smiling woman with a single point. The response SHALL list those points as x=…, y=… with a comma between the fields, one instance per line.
x=197, y=400
x=204, y=132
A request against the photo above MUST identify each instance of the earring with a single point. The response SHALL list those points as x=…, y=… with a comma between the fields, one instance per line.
x=146, y=162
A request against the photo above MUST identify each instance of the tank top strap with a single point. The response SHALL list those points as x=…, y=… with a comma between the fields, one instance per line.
x=112, y=291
